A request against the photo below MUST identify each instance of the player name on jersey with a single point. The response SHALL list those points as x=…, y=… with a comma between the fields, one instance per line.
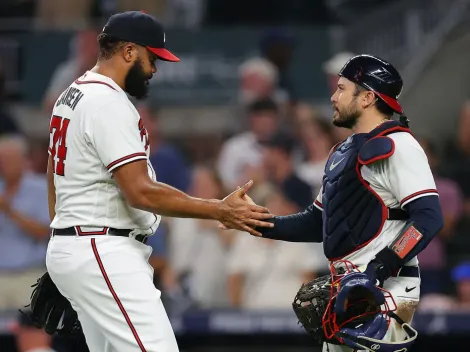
x=70, y=97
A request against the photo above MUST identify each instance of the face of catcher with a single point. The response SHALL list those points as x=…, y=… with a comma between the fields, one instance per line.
x=349, y=102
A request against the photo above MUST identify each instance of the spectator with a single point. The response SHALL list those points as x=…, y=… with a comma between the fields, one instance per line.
x=169, y=164
x=38, y=155
x=331, y=69
x=457, y=166
x=8, y=125
x=317, y=140
x=198, y=247
x=258, y=80
x=277, y=46
x=461, y=277
x=24, y=227
x=82, y=58
x=170, y=168
x=29, y=338
x=279, y=167
x=266, y=274
x=433, y=258
x=240, y=156
x=59, y=14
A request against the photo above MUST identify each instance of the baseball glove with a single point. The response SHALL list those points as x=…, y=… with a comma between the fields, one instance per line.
x=312, y=301
x=310, y=305
x=50, y=310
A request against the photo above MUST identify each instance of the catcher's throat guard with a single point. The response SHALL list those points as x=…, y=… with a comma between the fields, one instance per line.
x=364, y=323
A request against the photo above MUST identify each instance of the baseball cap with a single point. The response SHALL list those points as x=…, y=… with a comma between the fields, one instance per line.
x=142, y=29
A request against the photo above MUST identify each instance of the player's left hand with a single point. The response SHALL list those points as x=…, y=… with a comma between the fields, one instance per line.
x=358, y=285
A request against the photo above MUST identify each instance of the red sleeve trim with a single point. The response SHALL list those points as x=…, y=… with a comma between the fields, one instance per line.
x=124, y=158
x=318, y=204
x=426, y=191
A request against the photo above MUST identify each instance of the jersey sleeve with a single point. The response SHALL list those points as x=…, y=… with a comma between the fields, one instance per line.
x=318, y=201
x=116, y=136
x=408, y=170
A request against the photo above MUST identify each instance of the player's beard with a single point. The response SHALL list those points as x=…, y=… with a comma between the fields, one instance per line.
x=348, y=116
x=137, y=81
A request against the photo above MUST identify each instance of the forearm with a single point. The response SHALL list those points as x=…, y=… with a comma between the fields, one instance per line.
x=30, y=226
x=424, y=223
x=300, y=227
x=162, y=199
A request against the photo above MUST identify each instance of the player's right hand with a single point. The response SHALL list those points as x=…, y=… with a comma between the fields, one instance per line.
x=239, y=214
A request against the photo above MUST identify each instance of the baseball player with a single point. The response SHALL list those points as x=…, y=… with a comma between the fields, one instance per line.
x=378, y=207
x=104, y=199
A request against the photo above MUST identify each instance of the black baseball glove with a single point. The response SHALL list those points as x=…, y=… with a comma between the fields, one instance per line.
x=50, y=310
x=312, y=300
x=310, y=304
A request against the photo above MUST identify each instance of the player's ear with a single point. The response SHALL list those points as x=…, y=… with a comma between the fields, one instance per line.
x=368, y=99
x=129, y=52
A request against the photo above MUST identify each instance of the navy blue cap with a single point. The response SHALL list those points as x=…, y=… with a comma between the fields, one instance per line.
x=142, y=29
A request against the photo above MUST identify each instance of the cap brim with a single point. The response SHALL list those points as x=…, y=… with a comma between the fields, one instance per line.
x=164, y=54
x=393, y=103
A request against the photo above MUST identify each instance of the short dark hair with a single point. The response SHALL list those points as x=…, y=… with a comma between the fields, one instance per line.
x=381, y=106
x=108, y=46
x=280, y=140
x=263, y=105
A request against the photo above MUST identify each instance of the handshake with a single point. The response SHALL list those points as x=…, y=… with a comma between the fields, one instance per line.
x=239, y=212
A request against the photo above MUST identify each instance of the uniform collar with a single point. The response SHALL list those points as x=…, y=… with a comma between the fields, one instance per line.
x=89, y=76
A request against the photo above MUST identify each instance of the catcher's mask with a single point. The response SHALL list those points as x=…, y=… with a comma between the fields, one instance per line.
x=363, y=314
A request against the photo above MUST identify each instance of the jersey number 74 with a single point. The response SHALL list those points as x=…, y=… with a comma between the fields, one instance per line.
x=58, y=148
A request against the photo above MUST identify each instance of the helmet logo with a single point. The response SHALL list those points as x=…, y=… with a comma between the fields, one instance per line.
x=375, y=347
x=358, y=75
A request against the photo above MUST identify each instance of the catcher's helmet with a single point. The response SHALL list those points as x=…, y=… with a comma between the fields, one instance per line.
x=376, y=75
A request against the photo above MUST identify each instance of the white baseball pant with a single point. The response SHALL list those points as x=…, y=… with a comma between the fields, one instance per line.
x=109, y=282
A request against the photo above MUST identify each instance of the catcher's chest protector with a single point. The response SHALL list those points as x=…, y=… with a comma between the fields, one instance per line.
x=352, y=212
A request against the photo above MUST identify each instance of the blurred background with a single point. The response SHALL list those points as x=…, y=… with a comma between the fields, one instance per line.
x=249, y=100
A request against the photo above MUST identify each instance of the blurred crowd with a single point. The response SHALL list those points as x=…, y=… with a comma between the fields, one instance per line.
x=283, y=147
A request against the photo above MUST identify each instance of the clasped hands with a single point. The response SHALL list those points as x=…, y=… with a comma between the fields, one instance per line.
x=239, y=212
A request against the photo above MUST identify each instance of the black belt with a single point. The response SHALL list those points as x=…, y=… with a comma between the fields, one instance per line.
x=76, y=231
x=397, y=214
x=407, y=271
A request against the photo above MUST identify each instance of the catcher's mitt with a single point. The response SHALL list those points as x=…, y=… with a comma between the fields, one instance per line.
x=310, y=304
x=312, y=301
x=50, y=310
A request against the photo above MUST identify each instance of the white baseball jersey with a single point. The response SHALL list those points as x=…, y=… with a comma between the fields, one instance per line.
x=95, y=129
x=398, y=180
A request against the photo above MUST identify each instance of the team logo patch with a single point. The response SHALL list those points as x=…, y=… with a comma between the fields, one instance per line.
x=407, y=242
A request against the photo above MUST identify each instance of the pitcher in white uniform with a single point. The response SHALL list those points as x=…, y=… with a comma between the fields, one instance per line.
x=104, y=197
